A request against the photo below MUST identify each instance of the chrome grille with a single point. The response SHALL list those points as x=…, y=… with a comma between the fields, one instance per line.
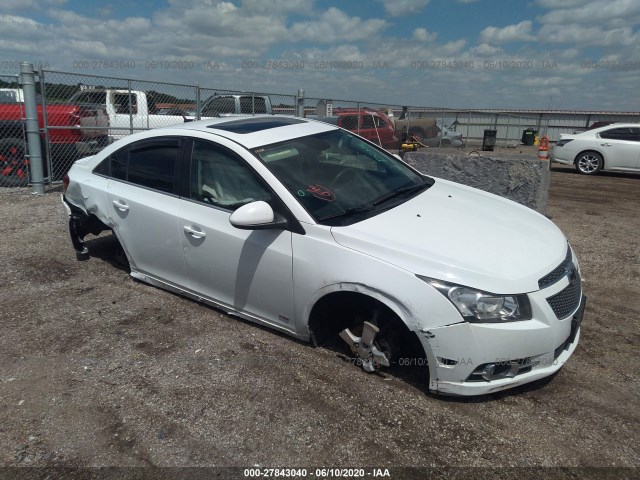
x=559, y=272
x=566, y=301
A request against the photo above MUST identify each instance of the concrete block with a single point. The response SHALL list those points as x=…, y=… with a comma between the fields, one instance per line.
x=521, y=178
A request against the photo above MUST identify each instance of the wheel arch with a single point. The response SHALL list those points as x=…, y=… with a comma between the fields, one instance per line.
x=332, y=307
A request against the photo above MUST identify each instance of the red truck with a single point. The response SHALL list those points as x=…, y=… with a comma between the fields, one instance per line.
x=374, y=125
x=80, y=135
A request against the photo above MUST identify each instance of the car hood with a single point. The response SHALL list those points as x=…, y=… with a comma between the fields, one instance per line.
x=462, y=235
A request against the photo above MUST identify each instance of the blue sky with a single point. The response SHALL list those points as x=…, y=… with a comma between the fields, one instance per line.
x=558, y=54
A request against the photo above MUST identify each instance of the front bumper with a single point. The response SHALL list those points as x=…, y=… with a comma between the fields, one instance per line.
x=477, y=359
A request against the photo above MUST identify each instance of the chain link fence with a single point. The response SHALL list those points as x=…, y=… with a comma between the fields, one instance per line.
x=110, y=108
x=79, y=114
x=14, y=162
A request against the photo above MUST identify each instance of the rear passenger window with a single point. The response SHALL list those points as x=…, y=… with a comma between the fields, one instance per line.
x=153, y=167
x=119, y=161
x=150, y=163
x=622, y=133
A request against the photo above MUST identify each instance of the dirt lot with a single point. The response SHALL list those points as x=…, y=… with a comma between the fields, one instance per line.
x=99, y=370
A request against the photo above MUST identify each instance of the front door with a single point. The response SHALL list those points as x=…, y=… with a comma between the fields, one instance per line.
x=247, y=270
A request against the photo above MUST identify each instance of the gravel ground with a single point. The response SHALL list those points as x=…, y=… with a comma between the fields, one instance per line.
x=98, y=370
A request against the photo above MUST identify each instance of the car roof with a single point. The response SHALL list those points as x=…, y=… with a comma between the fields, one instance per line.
x=253, y=131
x=615, y=125
x=593, y=131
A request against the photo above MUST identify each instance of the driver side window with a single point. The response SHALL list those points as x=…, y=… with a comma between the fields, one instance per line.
x=222, y=179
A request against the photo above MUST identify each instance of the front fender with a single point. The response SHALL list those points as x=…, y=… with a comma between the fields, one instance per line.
x=321, y=266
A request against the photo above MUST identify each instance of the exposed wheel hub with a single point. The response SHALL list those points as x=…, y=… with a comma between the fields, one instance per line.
x=365, y=348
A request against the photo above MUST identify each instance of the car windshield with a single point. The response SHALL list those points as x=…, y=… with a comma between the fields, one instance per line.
x=339, y=178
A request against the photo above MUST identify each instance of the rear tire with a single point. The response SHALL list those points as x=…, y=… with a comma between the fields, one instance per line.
x=589, y=163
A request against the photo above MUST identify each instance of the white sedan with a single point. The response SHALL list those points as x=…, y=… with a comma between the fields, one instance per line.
x=318, y=233
x=614, y=147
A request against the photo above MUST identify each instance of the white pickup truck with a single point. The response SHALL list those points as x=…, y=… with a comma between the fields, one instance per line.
x=11, y=95
x=128, y=111
x=224, y=105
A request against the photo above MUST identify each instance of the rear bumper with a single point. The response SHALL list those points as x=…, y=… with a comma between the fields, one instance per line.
x=73, y=219
x=81, y=224
x=558, y=156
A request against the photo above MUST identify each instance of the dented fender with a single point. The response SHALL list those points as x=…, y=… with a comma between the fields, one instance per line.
x=324, y=266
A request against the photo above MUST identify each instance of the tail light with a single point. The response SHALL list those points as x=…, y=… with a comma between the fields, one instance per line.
x=65, y=183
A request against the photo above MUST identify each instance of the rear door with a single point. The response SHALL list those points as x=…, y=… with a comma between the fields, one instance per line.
x=142, y=194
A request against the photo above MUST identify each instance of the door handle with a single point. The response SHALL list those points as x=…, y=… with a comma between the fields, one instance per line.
x=194, y=233
x=120, y=205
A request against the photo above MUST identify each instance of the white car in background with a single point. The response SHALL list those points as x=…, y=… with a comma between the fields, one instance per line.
x=311, y=230
x=613, y=147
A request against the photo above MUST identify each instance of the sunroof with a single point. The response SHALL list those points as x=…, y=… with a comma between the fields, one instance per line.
x=250, y=125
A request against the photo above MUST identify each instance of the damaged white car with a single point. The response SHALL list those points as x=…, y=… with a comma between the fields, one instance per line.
x=311, y=230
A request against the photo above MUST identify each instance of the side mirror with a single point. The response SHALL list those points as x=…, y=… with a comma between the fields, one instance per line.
x=256, y=216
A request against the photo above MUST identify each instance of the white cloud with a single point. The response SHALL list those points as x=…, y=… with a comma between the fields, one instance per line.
x=342, y=53
x=520, y=32
x=278, y=6
x=585, y=35
x=422, y=35
x=594, y=12
x=334, y=25
x=547, y=81
x=485, y=50
x=14, y=24
x=399, y=8
x=232, y=31
x=24, y=5
x=569, y=53
x=452, y=47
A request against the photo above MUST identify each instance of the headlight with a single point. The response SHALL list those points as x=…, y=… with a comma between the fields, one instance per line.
x=478, y=306
x=562, y=143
